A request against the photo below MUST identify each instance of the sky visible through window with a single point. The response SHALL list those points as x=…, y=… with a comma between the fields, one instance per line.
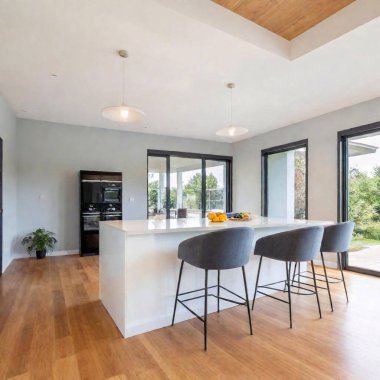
x=367, y=162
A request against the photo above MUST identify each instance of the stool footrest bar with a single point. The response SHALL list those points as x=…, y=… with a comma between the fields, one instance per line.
x=191, y=311
x=197, y=290
x=270, y=296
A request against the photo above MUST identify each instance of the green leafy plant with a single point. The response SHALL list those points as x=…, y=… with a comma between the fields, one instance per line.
x=39, y=241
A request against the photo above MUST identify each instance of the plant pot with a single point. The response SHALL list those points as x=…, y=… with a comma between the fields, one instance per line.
x=41, y=254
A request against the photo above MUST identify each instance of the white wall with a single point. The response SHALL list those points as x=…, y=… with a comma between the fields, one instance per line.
x=322, y=135
x=51, y=155
x=8, y=134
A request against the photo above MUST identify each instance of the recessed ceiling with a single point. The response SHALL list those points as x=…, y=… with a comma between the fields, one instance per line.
x=177, y=69
x=287, y=18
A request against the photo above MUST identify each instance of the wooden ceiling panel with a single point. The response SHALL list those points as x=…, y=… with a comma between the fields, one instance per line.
x=287, y=18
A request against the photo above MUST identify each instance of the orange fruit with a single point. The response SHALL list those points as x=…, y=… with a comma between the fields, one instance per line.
x=223, y=217
x=211, y=216
x=216, y=219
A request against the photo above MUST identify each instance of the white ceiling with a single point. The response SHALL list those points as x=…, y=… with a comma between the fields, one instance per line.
x=177, y=70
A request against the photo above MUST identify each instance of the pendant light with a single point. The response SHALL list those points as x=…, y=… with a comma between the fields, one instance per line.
x=231, y=130
x=123, y=113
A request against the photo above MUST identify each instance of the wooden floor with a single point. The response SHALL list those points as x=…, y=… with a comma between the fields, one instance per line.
x=52, y=326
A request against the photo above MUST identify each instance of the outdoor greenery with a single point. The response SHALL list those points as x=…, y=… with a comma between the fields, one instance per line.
x=192, y=194
x=300, y=184
x=364, y=203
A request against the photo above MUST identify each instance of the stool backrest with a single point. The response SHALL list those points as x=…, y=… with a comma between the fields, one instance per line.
x=225, y=249
x=337, y=237
x=302, y=244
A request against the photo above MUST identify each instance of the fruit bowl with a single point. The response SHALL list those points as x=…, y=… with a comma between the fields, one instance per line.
x=217, y=217
x=240, y=217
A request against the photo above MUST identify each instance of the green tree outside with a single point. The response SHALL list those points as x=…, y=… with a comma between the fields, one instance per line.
x=364, y=203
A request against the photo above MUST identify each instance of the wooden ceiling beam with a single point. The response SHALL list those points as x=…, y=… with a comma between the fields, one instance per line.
x=287, y=18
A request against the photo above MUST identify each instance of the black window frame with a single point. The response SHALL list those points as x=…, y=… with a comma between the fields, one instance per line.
x=264, y=171
x=342, y=182
x=228, y=160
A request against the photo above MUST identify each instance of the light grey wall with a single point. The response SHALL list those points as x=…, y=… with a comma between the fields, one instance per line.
x=322, y=134
x=50, y=156
x=8, y=134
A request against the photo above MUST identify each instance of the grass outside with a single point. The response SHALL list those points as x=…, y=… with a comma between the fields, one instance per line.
x=359, y=243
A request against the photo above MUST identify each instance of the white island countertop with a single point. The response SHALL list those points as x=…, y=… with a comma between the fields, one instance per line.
x=152, y=226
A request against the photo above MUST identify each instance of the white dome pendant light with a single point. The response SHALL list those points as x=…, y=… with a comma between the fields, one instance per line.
x=123, y=113
x=231, y=130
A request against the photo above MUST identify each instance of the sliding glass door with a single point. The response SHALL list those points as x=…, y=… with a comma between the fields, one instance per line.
x=185, y=187
x=284, y=181
x=360, y=195
x=216, y=186
x=187, y=184
x=157, y=186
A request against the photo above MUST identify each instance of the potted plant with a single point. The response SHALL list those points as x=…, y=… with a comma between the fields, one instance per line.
x=40, y=241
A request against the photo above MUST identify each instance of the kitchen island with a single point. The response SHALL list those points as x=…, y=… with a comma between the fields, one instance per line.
x=139, y=268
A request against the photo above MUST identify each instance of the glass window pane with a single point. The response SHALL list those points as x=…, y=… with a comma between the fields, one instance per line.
x=286, y=192
x=216, y=177
x=157, y=187
x=364, y=201
x=300, y=183
x=185, y=187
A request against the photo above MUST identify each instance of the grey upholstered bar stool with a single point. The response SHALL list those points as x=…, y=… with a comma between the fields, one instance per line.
x=336, y=238
x=301, y=245
x=220, y=250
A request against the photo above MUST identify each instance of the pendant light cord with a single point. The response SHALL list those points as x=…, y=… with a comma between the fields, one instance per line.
x=231, y=107
x=124, y=79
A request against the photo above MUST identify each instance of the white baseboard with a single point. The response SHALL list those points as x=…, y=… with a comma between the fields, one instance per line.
x=55, y=253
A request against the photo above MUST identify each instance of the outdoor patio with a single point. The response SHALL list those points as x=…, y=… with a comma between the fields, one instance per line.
x=367, y=258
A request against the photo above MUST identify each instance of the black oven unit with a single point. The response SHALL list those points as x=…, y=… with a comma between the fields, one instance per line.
x=111, y=192
x=101, y=200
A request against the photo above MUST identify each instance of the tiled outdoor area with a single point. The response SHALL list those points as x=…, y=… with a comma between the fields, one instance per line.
x=367, y=258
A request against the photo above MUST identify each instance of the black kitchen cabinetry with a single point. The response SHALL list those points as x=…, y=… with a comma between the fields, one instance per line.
x=101, y=200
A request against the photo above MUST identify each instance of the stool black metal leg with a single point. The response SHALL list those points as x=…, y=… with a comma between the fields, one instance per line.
x=316, y=289
x=218, y=288
x=299, y=276
x=247, y=300
x=285, y=283
x=327, y=281
x=176, y=296
x=294, y=272
x=341, y=271
x=205, y=316
x=289, y=296
x=257, y=282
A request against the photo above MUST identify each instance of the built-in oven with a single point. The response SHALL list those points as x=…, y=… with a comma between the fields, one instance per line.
x=112, y=216
x=91, y=221
x=112, y=212
x=91, y=216
x=112, y=192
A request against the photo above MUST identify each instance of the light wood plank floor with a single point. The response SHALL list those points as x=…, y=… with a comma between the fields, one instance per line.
x=53, y=326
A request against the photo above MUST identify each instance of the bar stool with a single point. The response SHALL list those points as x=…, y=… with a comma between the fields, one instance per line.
x=220, y=250
x=336, y=238
x=301, y=245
